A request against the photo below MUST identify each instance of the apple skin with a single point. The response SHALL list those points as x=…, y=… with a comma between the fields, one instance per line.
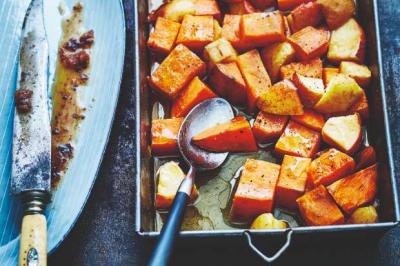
x=350, y=141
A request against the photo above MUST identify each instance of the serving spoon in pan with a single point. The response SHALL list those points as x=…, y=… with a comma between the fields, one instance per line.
x=205, y=115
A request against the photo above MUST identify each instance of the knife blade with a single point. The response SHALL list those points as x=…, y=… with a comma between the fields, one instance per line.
x=31, y=154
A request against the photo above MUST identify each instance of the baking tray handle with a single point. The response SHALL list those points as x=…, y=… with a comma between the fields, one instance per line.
x=277, y=254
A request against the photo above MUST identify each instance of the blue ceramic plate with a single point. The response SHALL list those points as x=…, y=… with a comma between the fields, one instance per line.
x=100, y=97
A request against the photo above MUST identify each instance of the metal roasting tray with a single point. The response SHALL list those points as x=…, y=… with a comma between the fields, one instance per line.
x=378, y=128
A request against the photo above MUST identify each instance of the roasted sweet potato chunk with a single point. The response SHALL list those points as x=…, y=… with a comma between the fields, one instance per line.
x=176, y=71
x=311, y=69
x=262, y=4
x=256, y=77
x=268, y=127
x=228, y=82
x=276, y=55
x=256, y=190
x=261, y=29
x=298, y=140
x=288, y=32
x=365, y=157
x=310, y=119
x=193, y=94
x=337, y=12
x=330, y=166
x=343, y=132
x=207, y=8
x=290, y=4
x=310, y=90
x=231, y=32
x=241, y=8
x=281, y=99
x=196, y=32
x=170, y=176
x=328, y=73
x=232, y=136
x=347, y=43
x=232, y=1
x=164, y=135
x=310, y=42
x=308, y=14
x=318, y=208
x=162, y=39
x=292, y=180
x=355, y=190
x=359, y=73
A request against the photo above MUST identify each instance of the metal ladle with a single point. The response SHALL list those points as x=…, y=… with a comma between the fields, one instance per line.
x=205, y=115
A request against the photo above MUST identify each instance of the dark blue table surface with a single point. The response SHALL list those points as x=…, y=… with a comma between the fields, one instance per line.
x=104, y=234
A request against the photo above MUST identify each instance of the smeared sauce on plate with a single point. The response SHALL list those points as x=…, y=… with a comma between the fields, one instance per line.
x=72, y=74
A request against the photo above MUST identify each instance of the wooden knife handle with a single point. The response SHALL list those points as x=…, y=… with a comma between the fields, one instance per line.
x=33, y=244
